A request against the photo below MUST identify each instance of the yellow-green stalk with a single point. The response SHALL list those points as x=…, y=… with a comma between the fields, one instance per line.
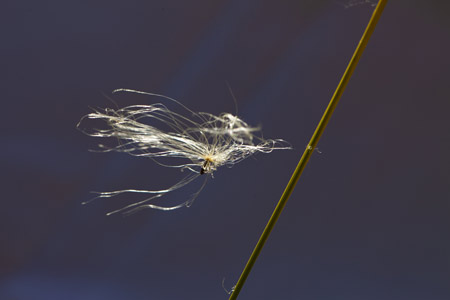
x=310, y=147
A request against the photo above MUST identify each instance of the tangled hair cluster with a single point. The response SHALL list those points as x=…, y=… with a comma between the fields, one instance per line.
x=203, y=141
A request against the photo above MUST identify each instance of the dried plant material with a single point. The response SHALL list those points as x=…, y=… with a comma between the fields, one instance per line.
x=204, y=142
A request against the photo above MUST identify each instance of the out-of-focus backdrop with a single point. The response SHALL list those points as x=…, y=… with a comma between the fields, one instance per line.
x=369, y=219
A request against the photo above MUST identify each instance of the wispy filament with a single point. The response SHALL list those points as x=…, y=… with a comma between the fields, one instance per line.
x=203, y=141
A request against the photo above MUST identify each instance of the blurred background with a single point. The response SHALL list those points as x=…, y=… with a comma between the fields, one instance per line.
x=369, y=218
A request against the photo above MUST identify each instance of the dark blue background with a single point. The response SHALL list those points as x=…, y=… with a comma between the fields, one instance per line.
x=369, y=219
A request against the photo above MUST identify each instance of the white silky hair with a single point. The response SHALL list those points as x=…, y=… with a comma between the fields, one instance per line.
x=204, y=141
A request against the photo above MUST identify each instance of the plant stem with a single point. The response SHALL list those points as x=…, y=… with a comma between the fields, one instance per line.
x=311, y=146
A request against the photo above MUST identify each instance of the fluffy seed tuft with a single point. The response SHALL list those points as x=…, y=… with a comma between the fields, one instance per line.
x=204, y=141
